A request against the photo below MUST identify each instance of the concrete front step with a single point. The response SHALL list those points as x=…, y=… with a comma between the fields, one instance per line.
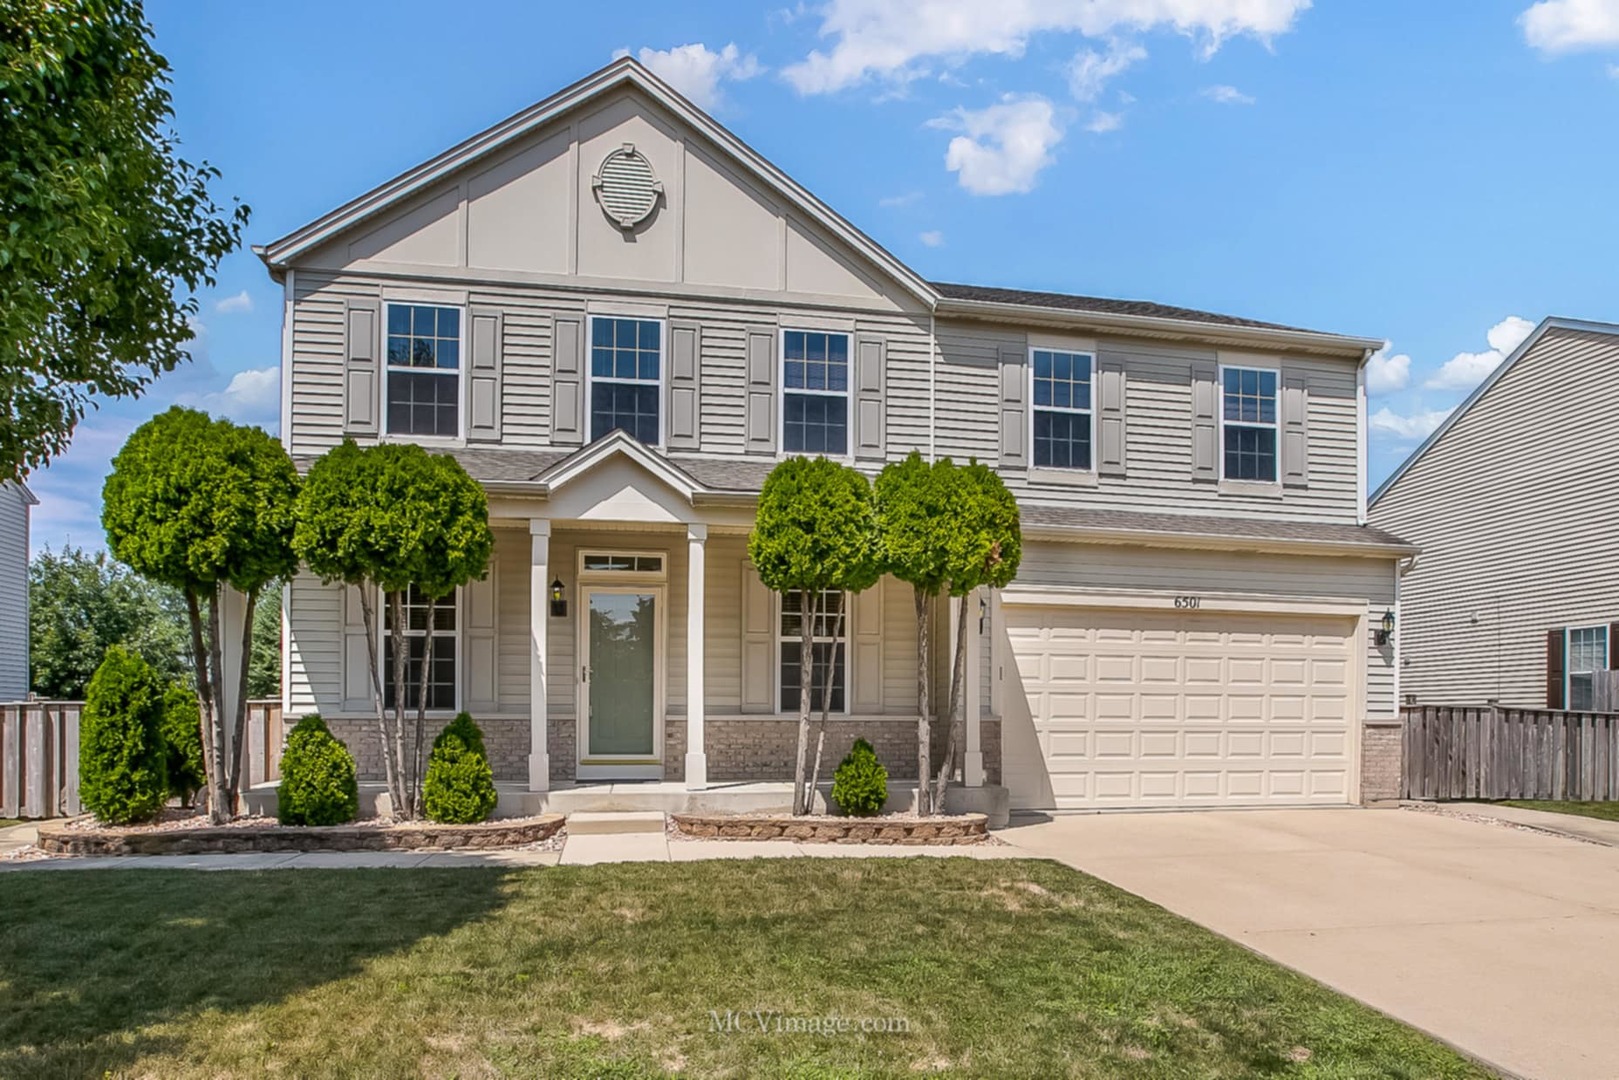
x=737, y=798
x=595, y=823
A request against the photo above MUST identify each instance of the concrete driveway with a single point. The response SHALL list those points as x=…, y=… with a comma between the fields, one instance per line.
x=1503, y=942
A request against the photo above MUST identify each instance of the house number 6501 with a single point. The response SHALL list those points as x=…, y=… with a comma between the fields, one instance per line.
x=1188, y=603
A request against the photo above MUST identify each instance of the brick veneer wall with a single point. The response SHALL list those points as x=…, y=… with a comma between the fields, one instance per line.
x=505, y=739
x=1381, y=748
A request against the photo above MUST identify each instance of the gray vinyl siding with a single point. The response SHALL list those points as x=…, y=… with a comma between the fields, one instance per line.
x=13, y=593
x=1515, y=508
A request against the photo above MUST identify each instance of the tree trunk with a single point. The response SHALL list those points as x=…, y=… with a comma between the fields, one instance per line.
x=826, y=699
x=958, y=676
x=233, y=782
x=220, y=805
x=421, y=712
x=806, y=679
x=923, y=678
x=205, y=698
x=369, y=615
x=399, y=642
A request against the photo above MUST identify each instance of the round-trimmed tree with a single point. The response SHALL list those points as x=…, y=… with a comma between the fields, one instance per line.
x=123, y=765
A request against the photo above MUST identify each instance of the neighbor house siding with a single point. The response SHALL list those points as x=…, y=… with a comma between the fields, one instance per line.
x=1515, y=509
x=13, y=593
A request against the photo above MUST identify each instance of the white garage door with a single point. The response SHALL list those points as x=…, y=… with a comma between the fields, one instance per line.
x=1150, y=708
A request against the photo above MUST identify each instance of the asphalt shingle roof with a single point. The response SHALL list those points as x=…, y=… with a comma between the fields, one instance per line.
x=1075, y=517
x=1099, y=305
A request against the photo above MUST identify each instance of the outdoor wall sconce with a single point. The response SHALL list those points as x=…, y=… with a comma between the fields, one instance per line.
x=1385, y=629
x=559, y=602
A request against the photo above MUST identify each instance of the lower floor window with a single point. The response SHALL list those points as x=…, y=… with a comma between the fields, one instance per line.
x=1587, y=655
x=826, y=650
x=441, y=676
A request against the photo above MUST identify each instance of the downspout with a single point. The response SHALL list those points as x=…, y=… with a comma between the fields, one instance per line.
x=1362, y=464
x=289, y=298
x=933, y=362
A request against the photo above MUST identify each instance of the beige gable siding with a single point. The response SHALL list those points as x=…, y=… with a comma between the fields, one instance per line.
x=1514, y=509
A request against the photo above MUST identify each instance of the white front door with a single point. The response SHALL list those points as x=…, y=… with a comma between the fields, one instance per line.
x=621, y=679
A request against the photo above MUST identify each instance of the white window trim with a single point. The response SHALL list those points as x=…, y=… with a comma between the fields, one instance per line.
x=609, y=576
x=637, y=766
x=1028, y=389
x=1568, y=659
x=663, y=372
x=848, y=656
x=460, y=436
x=847, y=394
x=1276, y=425
x=458, y=602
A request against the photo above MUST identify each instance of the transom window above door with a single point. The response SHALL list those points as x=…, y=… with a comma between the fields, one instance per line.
x=626, y=377
x=1248, y=397
x=1062, y=409
x=815, y=392
x=424, y=370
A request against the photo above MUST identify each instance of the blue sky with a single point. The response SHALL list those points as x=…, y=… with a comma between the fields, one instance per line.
x=1439, y=174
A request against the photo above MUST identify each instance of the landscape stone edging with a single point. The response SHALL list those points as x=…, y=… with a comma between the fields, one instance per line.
x=822, y=829
x=58, y=839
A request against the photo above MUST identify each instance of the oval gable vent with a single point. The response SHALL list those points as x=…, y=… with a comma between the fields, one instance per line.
x=626, y=187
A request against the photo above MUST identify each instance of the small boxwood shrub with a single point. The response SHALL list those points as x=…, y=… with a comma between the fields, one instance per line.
x=318, y=785
x=182, y=736
x=860, y=786
x=460, y=786
x=123, y=765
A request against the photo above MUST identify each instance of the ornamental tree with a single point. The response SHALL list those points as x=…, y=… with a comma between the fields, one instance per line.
x=103, y=221
x=382, y=519
x=815, y=532
x=201, y=505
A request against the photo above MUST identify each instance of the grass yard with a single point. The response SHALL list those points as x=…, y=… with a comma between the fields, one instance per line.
x=8, y=822
x=999, y=968
x=1605, y=811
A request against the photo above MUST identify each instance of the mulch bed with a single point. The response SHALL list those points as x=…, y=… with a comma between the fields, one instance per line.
x=263, y=835
x=894, y=829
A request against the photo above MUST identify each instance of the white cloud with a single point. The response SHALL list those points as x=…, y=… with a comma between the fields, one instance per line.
x=900, y=200
x=1089, y=70
x=1226, y=95
x=1104, y=122
x=1466, y=370
x=892, y=39
x=1417, y=425
x=697, y=71
x=241, y=304
x=252, y=396
x=1003, y=147
x=932, y=238
x=1386, y=374
x=1558, y=26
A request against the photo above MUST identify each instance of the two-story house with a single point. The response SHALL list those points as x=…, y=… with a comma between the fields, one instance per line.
x=619, y=318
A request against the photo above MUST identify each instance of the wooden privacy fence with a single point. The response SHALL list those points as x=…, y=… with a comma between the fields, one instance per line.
x=1485, y=752
x=39, y=755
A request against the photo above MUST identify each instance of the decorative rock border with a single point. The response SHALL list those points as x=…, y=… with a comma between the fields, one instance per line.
x=820, y=829
x=59, y=839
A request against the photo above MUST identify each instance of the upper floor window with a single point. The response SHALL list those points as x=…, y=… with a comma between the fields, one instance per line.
x=424, y=370
x=815, y=392
x=441, y=677
x=1587, y=655
x=626, y=377
x=1249, y=415
x=1062, y=409
x=826, y=649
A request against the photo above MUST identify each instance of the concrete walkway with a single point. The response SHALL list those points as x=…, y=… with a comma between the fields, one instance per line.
x=1591, y=830
x=1503, y=942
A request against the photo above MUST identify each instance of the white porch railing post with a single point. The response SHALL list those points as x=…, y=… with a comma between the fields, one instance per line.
x=696, y=756
x=539, y=758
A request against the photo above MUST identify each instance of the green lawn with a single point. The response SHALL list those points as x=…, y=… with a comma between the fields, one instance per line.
x=999, y=968
x=1606, y=811
x=7, y=822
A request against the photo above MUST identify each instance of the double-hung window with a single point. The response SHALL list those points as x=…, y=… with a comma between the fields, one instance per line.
x=441, y=677
x=424, y=370
x=1062, y=409
x=815, y=392
x=1248, y=399
x=626, y=385
x=829, y=630
x=1587, y=655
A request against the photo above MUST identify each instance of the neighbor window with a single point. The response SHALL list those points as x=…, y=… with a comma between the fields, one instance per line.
x=424, y=370
x=1587, y=655
x=815, y=393
x=826, y=652
x=626, y=364
x=1062, y=409
x=1249, y=401
x=441, y=679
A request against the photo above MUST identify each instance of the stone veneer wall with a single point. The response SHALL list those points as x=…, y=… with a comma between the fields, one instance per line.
x=1381, y=750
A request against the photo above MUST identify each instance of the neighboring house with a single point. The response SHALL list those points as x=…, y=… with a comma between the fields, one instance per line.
x=15, y=499
x=1515, y=597
x=619, y=317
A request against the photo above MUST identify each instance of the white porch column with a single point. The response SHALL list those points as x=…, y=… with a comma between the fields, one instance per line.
x=972, y=770
x=539, y=613
x=696, y=756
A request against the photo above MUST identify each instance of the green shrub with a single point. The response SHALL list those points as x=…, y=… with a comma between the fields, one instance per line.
x=460, y=786
x=317, y=777
x=860, y=786
x=182, y=736
x=123, y=774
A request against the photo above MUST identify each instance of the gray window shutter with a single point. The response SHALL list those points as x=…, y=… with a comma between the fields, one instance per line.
x=685, y=395
x=758, y=645
x=871, y=355
x=1110, y=417
x=1014, y=407
x=356, y=645
x=568, y=381
x=362, y=367
x=761, y=392
x=865, y=637
x=1295, y=431
x=1205, y=425
x=480, y=603
x=483, y=375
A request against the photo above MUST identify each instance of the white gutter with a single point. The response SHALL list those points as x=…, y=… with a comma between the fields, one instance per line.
x=1217, y=541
